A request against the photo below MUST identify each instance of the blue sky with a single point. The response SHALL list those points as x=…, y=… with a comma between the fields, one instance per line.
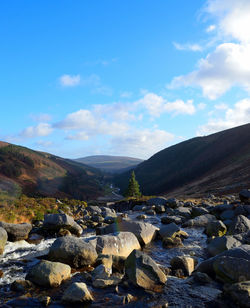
x=121, y=77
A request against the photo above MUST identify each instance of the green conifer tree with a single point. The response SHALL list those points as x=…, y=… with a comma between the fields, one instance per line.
x=133, y=189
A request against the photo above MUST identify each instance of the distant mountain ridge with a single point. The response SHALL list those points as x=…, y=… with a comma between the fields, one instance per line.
x=216, y=163
x=25, y=171
x=109, y=163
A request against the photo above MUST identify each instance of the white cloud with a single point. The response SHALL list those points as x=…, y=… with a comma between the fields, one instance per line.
x=90, y=124
x=157, y=105
x=187, y=46
x=42, y=129
x=227, y=66
x=41, y=117
x=78, y=136
x=92, y=81
x=232, y=17
x=201, y=106
x=238, y=115
x=141, y=143
x=221, y=106
x=210, y=28
x=70, y=80
x=126, y=94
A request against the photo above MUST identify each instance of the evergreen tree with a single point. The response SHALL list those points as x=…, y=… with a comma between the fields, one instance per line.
x=133, y=189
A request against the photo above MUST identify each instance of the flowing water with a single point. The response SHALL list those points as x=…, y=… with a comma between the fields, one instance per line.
x=20, y=256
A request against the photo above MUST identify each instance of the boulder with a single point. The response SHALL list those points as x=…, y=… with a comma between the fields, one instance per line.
x=117, y=244
x=55, y=222
x=138, y=207
x=183, y=211
x=168, y=219
x=169, y=242
x=101, y=272
x=3, y=239
x=172, y=203
x=21, y=286
x=239, y=293
x=228, y=214
x=200, y=221
x=145, y=232
x=108, y=212
x=94, y=210
x=142, y=271
x=49, y=274
x=245, y=195
x=230, y=269
x=169, y=230
x=157, y=201
x=242, y=209
x=77, y=293
x=241, y=252
x=240, y=224
x=16, y=232
x=186, y=264
x=159, y=209
x=215, y=228
x=198, y=211
x=220, y=244
x=73, y=251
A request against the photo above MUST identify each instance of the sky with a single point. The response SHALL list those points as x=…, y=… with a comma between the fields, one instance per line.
x=126, y=78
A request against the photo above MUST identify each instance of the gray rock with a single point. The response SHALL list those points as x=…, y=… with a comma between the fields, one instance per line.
x=151, y=212
x=215, y=228
x=3, y=239
x=240, y=224
x=229, y=214
x=49, y=274
x=173, y=203
x=142, y=271
x=169, y=230
x=240, y=293
x=160, y=209
x=117, y=244
x=101, y=272
x=230, y=269
x=241, y=252
x=200, y=221
x=157, y=201
x=198, y=211
x=145, y=232
x=107, y=282
x=108, y=212
x=183, y=211
x=220, y=244
x=16, y=232
x=77, y=292
x=186, y=264
x=138, y=207
x=94, y=210
x=73, y=251
x=55, y=222
x=245, y=196
x=169, y=219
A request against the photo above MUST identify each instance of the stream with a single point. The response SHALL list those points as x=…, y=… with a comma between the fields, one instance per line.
x=20, y=256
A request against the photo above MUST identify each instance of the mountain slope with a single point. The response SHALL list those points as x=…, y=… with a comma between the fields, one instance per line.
x=218, y=162
x=35, y=173
x=112, y=164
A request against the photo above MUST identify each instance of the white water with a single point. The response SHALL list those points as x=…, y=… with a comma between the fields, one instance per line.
x=19, y=256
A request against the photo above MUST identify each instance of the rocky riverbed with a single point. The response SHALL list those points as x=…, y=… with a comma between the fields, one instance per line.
x=158, y=253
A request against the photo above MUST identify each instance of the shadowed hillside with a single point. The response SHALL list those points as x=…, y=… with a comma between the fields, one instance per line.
x=216, y=163
x=41, y=174
x=111, y=164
